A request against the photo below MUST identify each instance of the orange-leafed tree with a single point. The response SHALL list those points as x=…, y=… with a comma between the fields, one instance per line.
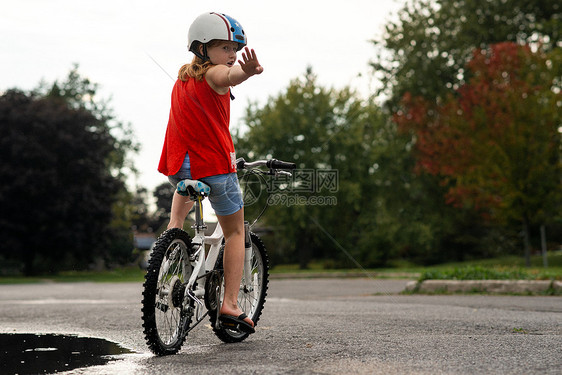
x=496, y=143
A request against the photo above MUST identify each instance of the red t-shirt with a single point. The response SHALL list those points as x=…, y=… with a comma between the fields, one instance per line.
x=199, y=125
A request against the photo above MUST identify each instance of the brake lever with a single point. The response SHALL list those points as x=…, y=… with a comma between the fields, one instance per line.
x=275, y=172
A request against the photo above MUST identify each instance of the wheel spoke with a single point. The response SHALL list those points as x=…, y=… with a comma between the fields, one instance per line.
x=165, y=324
x=169, y=319
x=251, y=296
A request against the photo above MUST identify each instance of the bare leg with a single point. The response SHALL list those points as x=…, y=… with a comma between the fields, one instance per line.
x=233, y=261
x=180, y=208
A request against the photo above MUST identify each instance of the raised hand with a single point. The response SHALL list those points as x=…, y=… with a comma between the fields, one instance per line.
x=250, y=65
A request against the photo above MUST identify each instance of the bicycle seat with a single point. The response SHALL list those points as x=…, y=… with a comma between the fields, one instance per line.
x=193, y=188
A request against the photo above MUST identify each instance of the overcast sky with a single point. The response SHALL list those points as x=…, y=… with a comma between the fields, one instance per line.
x=130, y=47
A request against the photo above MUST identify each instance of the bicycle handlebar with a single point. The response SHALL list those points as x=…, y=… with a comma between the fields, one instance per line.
x=278, y=164
x=271, y=164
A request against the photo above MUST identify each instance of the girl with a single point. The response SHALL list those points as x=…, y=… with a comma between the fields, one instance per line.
x=198, y=144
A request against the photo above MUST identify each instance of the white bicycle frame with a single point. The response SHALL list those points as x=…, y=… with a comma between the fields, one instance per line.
x=203, y=265
x=203, y=262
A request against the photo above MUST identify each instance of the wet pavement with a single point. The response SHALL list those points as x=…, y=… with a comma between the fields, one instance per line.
x=46, y=354
x=321, y=326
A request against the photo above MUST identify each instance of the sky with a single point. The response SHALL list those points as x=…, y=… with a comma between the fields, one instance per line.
x=132, y=49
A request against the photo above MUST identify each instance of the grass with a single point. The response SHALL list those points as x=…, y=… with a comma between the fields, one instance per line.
x=503, y=268
x=489, y=273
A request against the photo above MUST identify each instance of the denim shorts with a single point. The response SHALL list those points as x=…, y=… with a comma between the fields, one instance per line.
x=225, y=196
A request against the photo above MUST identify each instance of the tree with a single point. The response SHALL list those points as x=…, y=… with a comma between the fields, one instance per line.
x=63, y=170
x=163, y=194
x=382, y=211
x=423, y=55
x=425, y=51
x=496, y=144
x=331, y=135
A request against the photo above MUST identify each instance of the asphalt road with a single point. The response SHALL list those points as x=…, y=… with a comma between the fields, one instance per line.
x=319, y=326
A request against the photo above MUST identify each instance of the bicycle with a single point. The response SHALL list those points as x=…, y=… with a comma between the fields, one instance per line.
x=184, y=278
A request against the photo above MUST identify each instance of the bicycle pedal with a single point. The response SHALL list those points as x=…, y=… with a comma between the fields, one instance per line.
x=231, y=326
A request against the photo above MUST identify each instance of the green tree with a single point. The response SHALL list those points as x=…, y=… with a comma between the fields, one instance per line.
x=163, y=194
x=496, y=145
x=423, y=54
x=408, y=218
x=141, y=215
x=425, y=51
x=64, y=162
x=328, y=133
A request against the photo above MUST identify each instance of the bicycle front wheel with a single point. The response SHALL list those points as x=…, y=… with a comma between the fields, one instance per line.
x=251, y=297
x=165, y=320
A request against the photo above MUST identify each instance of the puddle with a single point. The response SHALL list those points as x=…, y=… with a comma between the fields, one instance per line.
x=46, y=354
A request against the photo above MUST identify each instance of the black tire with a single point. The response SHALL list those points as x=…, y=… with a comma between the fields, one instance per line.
x=249, y=301
x=165, y=321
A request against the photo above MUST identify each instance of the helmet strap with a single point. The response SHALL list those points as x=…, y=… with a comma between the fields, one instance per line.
x=203, y=56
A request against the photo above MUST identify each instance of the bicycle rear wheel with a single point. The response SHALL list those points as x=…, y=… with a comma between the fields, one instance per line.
x=251, y=297
x=165, y=321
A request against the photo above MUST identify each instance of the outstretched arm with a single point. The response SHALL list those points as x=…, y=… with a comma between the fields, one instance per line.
x=221, y=76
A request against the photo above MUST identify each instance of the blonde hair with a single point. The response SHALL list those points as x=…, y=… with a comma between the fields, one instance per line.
x=197, y=68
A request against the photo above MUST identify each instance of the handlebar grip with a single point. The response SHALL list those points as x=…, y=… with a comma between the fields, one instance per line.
x=278, y=164
x=240, y=163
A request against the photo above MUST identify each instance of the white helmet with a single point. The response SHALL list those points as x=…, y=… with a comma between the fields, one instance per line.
x=211, y=25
